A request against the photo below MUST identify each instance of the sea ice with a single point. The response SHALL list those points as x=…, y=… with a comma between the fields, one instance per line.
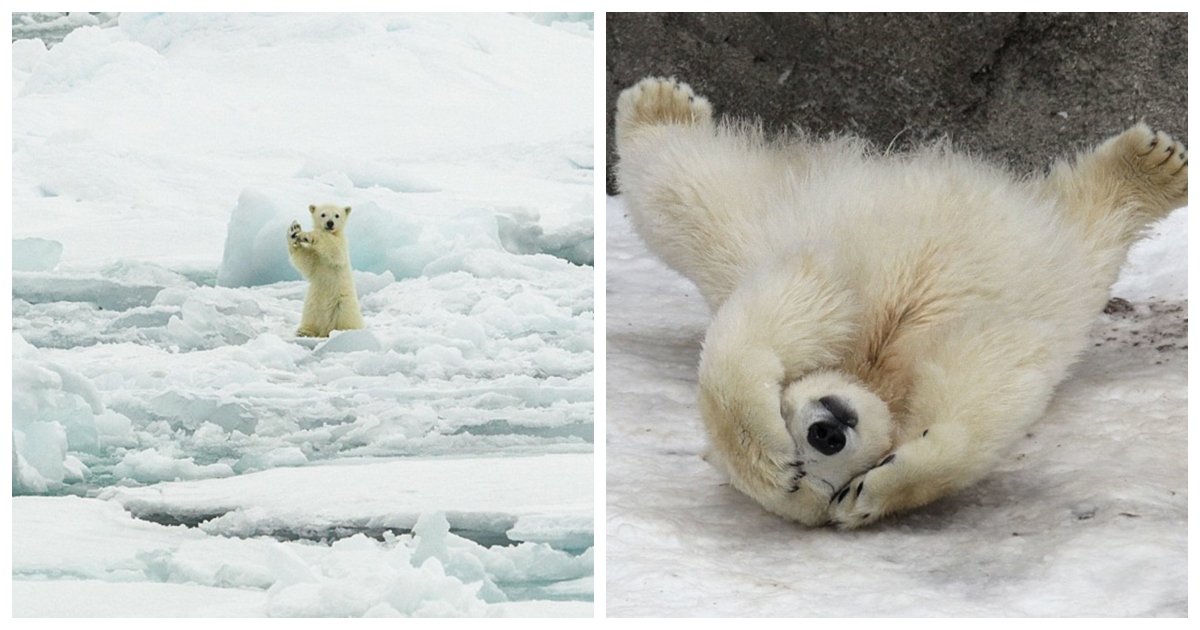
x=157, y=162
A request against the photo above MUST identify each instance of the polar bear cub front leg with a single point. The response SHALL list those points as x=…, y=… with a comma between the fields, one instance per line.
x=978, y=393
x=297, y=237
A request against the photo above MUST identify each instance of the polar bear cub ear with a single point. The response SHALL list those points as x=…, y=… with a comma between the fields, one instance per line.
x=347, y=209
x=312, y=208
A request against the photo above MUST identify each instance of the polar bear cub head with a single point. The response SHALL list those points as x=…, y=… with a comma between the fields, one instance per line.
x=328, y=217
x=840, y=428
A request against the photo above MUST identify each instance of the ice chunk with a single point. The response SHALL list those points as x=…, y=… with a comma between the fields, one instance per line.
x=356, y=579
x=35, y=254
x=432, y=534
x=209, y=321
x=366, y=283
x=149, y=466
x=570, y=532
x=190, y=410
x=254, y=252
x=521, y=233
x=350, y=341
x=55, y=408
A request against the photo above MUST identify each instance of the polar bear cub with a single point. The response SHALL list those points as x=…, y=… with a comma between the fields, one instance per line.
x=884, y=326
x=323, y=257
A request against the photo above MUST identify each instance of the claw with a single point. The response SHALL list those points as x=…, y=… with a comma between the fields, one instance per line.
x=1170, y=152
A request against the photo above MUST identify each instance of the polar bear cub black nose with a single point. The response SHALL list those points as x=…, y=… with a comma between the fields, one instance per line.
x=329, y=225
x=826, y=437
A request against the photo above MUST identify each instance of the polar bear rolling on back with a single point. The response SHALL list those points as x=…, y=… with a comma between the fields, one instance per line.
x=884, y=327
x=322, y=256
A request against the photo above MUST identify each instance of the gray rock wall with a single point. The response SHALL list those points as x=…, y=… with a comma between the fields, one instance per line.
x=1025, y=88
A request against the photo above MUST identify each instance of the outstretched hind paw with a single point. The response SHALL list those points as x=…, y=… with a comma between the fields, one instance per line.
x=1163, y=161
x=1155, y=164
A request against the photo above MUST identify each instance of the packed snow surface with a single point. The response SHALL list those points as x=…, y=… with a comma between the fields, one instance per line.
x=1087, y=517
x=437, y=462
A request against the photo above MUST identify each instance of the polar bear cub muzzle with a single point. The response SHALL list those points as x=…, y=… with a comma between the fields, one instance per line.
x=839, y=427
x=329, y=217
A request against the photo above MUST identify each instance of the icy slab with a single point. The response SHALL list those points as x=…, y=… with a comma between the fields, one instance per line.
x=42, y=288
x=542, y=498
x=1087, y=517
x=90, y=557
x=35, y=254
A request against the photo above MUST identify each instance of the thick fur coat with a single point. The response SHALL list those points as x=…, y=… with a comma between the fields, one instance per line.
x=323, y=257
x=885, y=326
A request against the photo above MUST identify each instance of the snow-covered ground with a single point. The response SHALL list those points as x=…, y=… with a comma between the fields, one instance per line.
x=1087, y=518
x=177, y=451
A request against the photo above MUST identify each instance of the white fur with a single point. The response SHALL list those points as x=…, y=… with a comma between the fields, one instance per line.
x=323, y=257
x=938, y=295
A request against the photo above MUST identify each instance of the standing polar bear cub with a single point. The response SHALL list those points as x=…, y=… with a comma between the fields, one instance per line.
x=885, y=326
x=323, y=257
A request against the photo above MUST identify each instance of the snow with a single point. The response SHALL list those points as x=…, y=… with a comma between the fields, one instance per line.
x=1087, y=518
x=424, y=124
x=157, y=162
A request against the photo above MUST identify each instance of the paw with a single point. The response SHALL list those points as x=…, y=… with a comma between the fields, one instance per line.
x=792, y=474
x=1154, y=164
x=658, y=101
x=1161, y=159
x=296, y=236
x=864, y=500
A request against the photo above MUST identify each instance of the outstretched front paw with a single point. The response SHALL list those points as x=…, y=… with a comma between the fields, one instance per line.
x=865, y=499
x=296, y=236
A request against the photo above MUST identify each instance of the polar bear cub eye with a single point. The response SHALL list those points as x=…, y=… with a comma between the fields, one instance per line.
x=840, y=428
